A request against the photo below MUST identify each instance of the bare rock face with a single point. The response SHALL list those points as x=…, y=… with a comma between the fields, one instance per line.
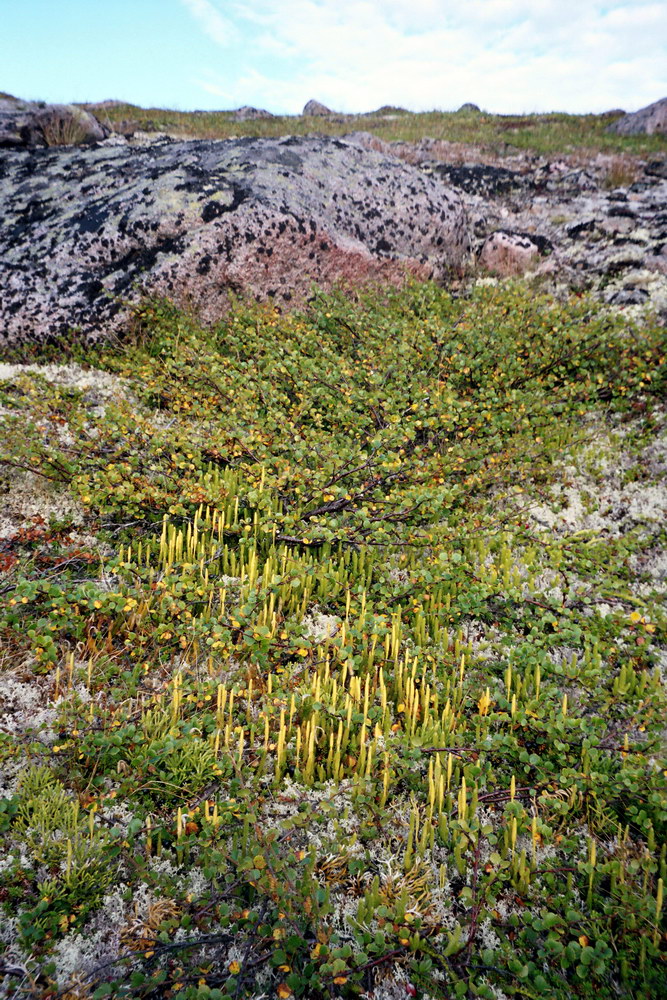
x=87, y=230
x=648, y=121
x=509, y=254
x=30, y=123
x=313, y=109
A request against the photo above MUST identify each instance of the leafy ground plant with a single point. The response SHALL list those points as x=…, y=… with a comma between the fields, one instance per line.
x=334, y=653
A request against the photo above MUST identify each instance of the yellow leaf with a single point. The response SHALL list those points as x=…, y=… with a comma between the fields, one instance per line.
x=635, y=617
x=339, y=980
x=583, y=941
x=234, y=968
x=259, y=862
x=284, y=991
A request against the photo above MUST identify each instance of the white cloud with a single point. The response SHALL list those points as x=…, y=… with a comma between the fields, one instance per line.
x=212, y=88
x=506, y=55
x=218, y=28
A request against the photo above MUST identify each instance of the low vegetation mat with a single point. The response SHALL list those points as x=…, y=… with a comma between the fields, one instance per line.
x=334, y=654
x=554, y=133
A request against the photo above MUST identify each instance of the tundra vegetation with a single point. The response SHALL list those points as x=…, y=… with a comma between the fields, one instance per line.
x=541, y=133
x=338, y=667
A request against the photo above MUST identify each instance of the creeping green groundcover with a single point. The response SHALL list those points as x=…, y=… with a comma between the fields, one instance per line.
x=334, y=654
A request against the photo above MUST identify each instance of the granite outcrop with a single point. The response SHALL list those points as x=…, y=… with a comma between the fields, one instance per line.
x=592, y=223
x=88, y=231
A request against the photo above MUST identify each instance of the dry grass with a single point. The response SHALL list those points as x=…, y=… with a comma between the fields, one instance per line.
x=63, y=130
x=621, y=172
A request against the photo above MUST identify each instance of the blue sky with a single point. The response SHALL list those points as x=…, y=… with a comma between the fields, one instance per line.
x=354, y=55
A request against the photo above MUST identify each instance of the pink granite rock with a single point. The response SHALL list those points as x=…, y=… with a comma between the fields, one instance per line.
x=88, y=231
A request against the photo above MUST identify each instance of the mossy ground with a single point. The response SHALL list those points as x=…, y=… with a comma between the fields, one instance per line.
x=341, y=670
x=542, y=133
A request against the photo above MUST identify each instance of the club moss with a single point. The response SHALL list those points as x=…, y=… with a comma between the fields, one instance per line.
x=341, y=670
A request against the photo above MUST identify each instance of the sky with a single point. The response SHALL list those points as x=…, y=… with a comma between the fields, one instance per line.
x=507, y=56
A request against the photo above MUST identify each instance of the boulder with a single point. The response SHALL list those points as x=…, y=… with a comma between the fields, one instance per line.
x=647, y=121
x=386, y=110
x=88, y=230
x=313, y=109
x=33, y=123
x=18, y=126
x=68, y=125
x=468, y=108
x=249, y=114
x=510, y=254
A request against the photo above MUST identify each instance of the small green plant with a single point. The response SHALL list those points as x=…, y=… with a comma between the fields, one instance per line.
x=69, y=857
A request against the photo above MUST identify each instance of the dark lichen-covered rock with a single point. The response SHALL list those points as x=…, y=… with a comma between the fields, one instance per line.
x=479, y=178
x=87, y=230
